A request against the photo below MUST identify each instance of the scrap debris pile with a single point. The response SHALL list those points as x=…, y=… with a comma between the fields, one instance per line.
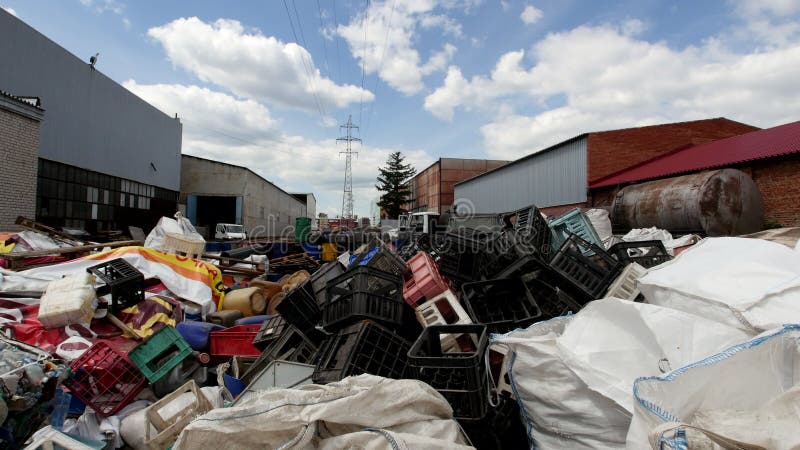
x=536, y=332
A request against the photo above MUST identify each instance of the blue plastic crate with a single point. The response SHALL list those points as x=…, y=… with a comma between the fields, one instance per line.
x=574, y=222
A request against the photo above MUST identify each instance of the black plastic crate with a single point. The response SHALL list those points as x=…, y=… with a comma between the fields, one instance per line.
x=502, y=305
x=534, y=232
x=589, y=274
x=300, y=309
x=507, y=250
x=365, y=347
x=270, y=330
x=552, y=301
x=291, y=345
x=319, y=279
x=122, y=281
x=363, y=293
x=459, y=376
x=458, y=256
x=421, y=243
x=646, y=253
x=379, y=256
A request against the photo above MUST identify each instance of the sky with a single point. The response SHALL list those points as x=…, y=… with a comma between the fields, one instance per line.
x=266, y=84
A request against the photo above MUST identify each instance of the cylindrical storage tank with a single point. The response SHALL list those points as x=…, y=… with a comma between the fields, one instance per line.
x=723, y=202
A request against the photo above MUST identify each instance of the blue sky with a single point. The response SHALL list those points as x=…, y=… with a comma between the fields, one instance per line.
x=459, y=78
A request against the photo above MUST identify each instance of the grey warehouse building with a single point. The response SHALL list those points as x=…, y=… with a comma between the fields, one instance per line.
x=107, y=158
x=216, y=192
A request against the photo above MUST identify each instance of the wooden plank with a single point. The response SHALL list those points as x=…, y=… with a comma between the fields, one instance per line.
x=67, y=250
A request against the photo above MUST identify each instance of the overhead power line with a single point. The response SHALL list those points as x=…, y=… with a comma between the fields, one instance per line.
x=380, y=65
x=306, y=66
x=363, y=63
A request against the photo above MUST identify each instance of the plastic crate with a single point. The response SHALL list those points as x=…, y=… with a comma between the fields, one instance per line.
x=122, y=281
x=300, y=308
x=425, y=281
x=534, y=232
x=168, y=428
x=184, y=245
x=104, y=379
x=444, y=309
x=645, y=253
x=235, y=341
x=574, y=222
x=459, y=376
x=365, y=347
x=625, y=286
x=421, y=243
x=160, y=353
x=319, y=279
x=458, y=256
x=291, y=345
x=590, y=276
x=552, y=301
x=379, y=256
x=502, y=305
x=270, y=330
x=363, y=293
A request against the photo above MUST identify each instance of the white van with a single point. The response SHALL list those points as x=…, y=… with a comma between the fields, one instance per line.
x=230, y=231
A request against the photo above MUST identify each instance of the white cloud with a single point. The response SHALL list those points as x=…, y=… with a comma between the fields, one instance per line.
x=222, y=127
x=531, y=15
x=778, y=8
x=770, y=22
x=102, y=6
x=391, y=32
x=602, y=78
x=250, y=64
x=10, y=11
x=126, y=22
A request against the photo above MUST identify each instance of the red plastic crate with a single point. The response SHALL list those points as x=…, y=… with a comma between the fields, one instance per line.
x=425, y=282
x=105, y=379
x=235, y=341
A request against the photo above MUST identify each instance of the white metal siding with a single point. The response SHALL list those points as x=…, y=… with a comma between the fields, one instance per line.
x=556, y=177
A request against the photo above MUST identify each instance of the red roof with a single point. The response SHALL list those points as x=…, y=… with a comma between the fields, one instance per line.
x=761, y=144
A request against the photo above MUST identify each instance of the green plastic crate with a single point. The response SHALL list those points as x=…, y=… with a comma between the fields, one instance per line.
x=160, y=353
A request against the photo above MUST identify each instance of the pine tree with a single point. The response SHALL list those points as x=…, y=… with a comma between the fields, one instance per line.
x=391, y=181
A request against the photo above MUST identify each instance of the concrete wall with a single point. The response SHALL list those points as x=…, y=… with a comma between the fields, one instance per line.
x=433, y=189
x=19, y=147
x=92, y=122
x=264, y=204
x=311, y=206
x=551, y=178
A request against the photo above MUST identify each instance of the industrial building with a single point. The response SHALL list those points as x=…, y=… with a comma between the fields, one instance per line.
x=107, y=159
x=770, y=157
x=19, y=150
x=557, y=178
x=217, y=192
x=308, y=199
x=432, y=188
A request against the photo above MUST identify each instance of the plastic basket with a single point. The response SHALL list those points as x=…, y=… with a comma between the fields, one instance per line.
x=458, y=257
x=235, y=341
x=444, y=309
x=363, y=293
x=104, y=379
x=270, y=330
x=534, y=231
x=168, y=428
x=160, y=353
x=184, y=245
x=319, y=279
x=645, y=253
x=300, y=308
x=502, y=305
x=459, y=377
x=552, y=301
x=122, y=281
x=291, y=345
x=590, y=276
x=379, y=256
x=624, y=286
x=365, y=347
x=574, y=222
x=425, y=281
x=421, y=243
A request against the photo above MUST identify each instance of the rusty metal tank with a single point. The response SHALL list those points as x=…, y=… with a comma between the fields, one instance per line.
x=723, y=202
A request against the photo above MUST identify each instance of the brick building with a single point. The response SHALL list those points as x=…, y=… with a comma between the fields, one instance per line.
x=19, y=151
x=557, y=178
x=771, y=157
x=432, y=189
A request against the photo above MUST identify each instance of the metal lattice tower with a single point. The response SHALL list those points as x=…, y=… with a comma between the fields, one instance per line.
x=347, y=196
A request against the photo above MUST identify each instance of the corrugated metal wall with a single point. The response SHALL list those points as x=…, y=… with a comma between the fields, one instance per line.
x=556, y=177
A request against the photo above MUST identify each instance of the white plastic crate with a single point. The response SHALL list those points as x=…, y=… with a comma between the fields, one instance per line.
x=69, y=300
x=624, y=286
x=433, y=312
